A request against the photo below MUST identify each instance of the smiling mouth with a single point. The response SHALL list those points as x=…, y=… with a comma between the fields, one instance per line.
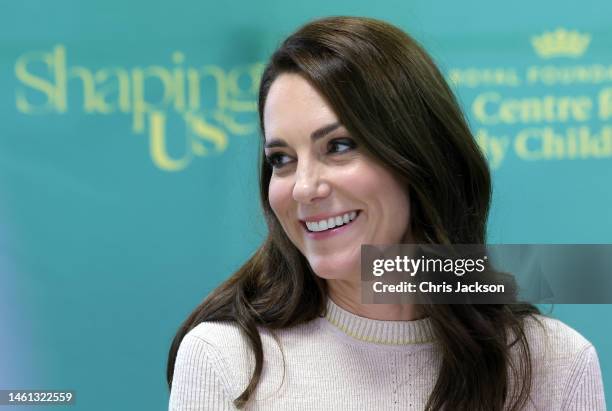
x=330, y=223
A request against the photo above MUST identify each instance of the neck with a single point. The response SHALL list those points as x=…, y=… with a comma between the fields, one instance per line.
x=347, y=295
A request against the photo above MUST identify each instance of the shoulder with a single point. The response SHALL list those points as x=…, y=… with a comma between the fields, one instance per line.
x=226, y=348
x=565, y=365
x=231, y=341
x=204, y=346
x=551, y=338
x=223, y=334
x=201, y=378
x=220, y=346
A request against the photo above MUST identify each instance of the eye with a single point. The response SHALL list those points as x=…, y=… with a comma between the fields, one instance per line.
x=277, y=160
x=341, y=145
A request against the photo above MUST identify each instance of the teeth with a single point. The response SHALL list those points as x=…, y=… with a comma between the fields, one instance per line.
x=331, y=222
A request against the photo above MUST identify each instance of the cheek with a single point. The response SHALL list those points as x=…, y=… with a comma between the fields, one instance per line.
x=399, y=200
x=279, y=196
x=398, y=207
x=392, y=201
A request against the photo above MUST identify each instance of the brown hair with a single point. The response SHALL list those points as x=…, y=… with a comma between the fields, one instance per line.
x=394, y=101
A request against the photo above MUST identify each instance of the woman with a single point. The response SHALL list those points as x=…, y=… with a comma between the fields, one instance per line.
x=365, y=144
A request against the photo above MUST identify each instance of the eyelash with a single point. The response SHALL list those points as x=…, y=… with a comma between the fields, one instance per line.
x=343, y=141
x=275, y=159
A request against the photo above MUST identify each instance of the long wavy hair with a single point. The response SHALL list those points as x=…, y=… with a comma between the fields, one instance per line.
x=391, y=97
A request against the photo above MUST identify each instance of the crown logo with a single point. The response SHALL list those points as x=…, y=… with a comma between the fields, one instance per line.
x=560, y=43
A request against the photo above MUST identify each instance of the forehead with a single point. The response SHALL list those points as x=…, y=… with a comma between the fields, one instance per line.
x=293, y=107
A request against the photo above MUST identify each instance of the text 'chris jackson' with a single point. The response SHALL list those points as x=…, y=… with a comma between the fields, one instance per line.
x=429, y=287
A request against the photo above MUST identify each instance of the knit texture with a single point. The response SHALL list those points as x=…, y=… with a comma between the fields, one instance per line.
x=347, y=362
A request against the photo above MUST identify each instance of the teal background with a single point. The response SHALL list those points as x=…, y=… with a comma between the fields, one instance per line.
x=103, y=252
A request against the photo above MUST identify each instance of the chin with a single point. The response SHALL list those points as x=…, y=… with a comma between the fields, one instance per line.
x=331, y=269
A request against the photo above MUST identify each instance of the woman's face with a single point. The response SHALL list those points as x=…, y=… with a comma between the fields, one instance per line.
x=329, y=197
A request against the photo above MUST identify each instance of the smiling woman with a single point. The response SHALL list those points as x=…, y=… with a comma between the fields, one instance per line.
x=322, y=177
x=364, y=143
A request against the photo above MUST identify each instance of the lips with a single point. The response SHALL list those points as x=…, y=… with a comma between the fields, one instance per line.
x=320, y=224
x=331, y=222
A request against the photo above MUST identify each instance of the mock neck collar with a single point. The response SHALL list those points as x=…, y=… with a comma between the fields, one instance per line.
x=377, y=331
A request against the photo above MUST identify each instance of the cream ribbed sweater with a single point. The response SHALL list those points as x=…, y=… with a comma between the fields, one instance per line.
x=346, y=362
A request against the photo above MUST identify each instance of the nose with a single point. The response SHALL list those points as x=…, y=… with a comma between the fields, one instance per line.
x=310, y=184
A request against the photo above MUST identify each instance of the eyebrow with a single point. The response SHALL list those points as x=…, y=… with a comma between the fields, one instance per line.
x=317, y=134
